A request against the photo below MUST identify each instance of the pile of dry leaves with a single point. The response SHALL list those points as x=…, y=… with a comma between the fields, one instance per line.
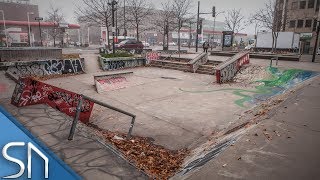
x=156, y=161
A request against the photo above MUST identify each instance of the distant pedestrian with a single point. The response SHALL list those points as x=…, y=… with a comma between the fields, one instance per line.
x=205, y=47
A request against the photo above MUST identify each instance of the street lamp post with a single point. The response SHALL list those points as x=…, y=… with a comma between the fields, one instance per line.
x=4, y=26
x=29, y=28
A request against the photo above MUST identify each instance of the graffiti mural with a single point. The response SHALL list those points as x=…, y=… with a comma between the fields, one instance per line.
x=281, y=81
x=228, y=70
x=49, y=67
x=3, y=87
x=109, y=64
x=112, y=82
x=30, y=92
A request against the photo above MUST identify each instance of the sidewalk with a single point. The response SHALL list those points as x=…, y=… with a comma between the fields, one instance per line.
x=85, y=154
x=286, y=146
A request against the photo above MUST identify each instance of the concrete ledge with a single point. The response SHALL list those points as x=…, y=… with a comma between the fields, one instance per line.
x=110, y=82
x=42, y=68
x=260, y=56
x=109, y=64
x=29, y=54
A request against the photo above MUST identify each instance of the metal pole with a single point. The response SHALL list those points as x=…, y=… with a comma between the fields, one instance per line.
x=40, y=34
x=124, y=16
x=214, y=28
x=88, y=35
x=75, y=120
x=113, y=25
x=317, y=38
x=197, y=35
x=116, y=25
x=5, y=28
x=316, y=43
x=131, y=127
x=29, y=29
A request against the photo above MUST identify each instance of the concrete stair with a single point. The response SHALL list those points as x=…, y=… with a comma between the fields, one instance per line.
x=208, y=68
x=171, y=65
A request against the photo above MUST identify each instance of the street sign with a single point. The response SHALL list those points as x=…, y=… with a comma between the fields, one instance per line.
x=113, y=29
x=63, y=25
x=39, y=19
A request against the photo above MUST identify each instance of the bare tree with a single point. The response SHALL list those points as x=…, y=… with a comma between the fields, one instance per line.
x=55, y=16
x=137, y=13
x=234, y=20
x=271, y=17
x=164, y=21
x=181, y=9
x=95, y=12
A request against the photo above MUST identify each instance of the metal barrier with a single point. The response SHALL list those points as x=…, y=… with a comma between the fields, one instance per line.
x=78, y=110
x=274, y=59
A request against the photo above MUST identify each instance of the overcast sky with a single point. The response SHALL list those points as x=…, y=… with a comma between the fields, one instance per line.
x=248, y=7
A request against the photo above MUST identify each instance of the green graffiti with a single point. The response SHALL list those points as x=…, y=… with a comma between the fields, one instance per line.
x=278, y=82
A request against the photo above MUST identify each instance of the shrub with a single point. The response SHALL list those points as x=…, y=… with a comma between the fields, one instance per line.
x=117, y=54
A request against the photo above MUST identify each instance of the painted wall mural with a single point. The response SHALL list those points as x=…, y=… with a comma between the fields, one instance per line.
x=31, y=92
x=281, y=81
x=228, y=70
x=48, y=67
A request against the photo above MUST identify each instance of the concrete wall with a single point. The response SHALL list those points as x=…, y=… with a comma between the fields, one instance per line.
x=44, y=68
x=109, y=64
x=228, y=70
x=29, y=54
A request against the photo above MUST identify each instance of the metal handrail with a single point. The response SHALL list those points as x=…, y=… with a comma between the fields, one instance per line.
x=78, y=111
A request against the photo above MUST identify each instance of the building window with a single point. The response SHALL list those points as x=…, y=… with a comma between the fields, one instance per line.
x=292, y=24
x=294, y=5
x=308, y=23
x=300, y=23
x=314, y=25
x=311, y=4
x=302, y=4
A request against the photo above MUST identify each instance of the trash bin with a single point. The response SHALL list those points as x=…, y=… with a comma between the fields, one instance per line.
x=102, y=50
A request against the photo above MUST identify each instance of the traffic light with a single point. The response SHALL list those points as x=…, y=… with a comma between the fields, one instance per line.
x=125, y=33
x=213, y=11
x=200, y=26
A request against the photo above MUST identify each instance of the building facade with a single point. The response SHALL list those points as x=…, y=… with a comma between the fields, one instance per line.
x=301, y=16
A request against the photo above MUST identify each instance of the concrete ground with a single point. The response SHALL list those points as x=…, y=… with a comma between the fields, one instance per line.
x=173, y=118
x=86, y=154
x=285, y=146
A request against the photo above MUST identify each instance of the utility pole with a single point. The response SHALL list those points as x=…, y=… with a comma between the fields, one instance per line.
x=40, y=19
x=197, y=33
x=124, y=17
x=112, y=4
x=317, y=38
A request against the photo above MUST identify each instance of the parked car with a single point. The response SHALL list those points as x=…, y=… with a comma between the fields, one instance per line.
x=185, y=44
x=172, y=44
x=145, y=44
x=132, y=46
x=249, y=47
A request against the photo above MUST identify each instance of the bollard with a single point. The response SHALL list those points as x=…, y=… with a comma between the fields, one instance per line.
x=75, y=120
